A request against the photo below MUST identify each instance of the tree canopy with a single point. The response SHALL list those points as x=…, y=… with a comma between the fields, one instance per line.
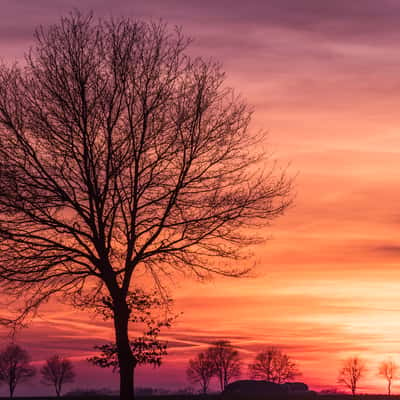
x=120, y=152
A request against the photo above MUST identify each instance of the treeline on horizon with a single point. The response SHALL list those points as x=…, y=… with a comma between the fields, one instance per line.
x=221, y=361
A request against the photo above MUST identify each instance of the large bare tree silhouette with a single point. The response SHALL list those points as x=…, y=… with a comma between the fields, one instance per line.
x=120, y=152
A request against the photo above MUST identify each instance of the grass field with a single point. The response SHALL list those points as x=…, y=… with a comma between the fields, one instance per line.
x=219, y=397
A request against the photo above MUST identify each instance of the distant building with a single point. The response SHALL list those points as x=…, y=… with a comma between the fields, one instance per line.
x=296, y=386
x=244, y=388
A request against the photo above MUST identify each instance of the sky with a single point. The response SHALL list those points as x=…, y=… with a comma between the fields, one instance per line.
x=323, y=77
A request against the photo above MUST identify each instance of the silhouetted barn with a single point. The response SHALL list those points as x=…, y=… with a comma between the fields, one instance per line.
x=258, y=389
x=254, y=389
x=296, y=386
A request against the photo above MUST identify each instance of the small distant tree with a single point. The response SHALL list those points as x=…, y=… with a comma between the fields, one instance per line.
x=352, y=371
x=146, y=348
x=200, y=370
x=226, y=360
x=262, y=367
x=388, y=370
x=15, y=367
x=274, y=366
x=57, y=371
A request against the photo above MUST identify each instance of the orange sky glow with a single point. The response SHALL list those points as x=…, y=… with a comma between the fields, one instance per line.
x=324, y=81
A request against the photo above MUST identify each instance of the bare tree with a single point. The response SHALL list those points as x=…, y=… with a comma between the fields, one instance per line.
x=388, y=370
x=15, y=367
x=352, y=371
x=262, y=368
x=226, y=362
x=56, y=372
x=285, y=370
x=200, y=370
x=119, y=153
x=274, y=366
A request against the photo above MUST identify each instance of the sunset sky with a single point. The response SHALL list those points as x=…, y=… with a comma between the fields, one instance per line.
x=324, y=79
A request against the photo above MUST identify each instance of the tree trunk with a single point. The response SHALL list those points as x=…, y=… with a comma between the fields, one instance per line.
x=125, y=357
x=389, y=384
x=133, y=377
x=225, y=379
x=221, y=381
x=204, y=387
x=12, y=391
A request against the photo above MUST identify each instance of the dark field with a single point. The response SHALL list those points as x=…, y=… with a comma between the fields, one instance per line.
x=218, y=397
